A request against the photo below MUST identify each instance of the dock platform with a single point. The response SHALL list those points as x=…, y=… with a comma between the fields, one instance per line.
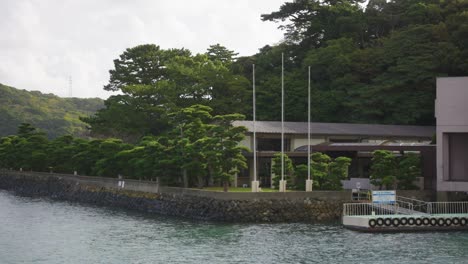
x=406, y=216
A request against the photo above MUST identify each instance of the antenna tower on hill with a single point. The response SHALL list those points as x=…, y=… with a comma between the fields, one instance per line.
x=70, y=88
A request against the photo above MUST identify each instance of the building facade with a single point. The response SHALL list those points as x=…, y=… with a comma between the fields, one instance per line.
x=356, y=141
x=451, y=110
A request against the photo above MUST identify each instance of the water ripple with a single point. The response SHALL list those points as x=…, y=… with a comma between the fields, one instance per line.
x=42, y=231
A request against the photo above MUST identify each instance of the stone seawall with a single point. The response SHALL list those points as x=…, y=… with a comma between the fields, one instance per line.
x=194, y=204
x=317, y=206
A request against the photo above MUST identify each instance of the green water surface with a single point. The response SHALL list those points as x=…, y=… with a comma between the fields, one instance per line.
x=42, y=231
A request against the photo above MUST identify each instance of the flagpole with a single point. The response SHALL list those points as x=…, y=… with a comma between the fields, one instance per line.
x=282, y=182
x=308, y=181
x=255, y=183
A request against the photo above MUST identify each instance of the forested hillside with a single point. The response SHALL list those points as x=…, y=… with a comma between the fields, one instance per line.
x=369, y=64
x=373, y=64
x=54, y=115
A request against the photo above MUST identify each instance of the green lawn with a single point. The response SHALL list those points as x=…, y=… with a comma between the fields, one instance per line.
x=237, y=189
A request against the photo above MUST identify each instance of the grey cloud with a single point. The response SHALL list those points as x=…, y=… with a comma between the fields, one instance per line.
x=43, y=42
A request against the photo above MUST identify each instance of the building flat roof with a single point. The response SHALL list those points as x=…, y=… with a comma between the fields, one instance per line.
x=339, y=129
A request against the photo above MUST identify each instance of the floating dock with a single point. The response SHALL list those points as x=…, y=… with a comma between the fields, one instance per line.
x=405, y=215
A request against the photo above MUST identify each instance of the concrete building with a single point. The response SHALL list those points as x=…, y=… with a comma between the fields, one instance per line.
x=452, y=134
x=356, y=141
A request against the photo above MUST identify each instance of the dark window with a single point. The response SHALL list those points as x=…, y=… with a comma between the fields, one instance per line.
x=272, y=144
x=244, y=172
x=458, y=156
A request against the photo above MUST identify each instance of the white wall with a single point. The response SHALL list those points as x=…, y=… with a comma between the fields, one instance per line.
x=451, y=110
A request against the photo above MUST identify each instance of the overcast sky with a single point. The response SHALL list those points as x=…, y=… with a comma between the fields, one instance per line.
x=43, y=42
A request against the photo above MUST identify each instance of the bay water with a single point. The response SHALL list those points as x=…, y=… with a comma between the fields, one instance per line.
x=39, y=230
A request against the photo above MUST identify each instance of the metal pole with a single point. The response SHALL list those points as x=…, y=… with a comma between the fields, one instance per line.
x=308, y=130
x=254, y=129
x=254, y=183
x=309, y=180
x=282, y=116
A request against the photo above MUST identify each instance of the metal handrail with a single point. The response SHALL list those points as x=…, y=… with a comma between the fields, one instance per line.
x=411, y=200
x=407, y=205
x=418, y=205
x=402, y=207
x=359, y=209
x=447, y=208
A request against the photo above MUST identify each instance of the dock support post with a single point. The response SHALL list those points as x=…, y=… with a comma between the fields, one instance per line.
x=282, y=185
x=255, y=185
x=309, y=185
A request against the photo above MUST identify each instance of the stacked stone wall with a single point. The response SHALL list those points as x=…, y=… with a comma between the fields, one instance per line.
x=317, y=206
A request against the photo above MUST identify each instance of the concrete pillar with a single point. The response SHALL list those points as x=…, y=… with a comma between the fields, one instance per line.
x=255, y=185
x=282, y=185
x=309, y=185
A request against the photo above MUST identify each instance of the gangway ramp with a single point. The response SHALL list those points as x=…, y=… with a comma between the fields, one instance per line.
x=403, y=205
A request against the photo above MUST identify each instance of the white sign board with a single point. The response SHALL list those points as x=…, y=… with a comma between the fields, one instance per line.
x=387, y=197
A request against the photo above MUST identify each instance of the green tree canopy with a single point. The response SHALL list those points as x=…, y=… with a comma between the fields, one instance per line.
x=327, y=173
x=155, y=82
x=372, y=64
x=383, y=170
x=221, y=53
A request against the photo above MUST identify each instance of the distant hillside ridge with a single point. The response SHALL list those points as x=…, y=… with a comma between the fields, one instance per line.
x=54, y=115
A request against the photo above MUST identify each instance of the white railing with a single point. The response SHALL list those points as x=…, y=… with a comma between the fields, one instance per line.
x=357, y=209
x=418, y=205
x=447, y=208
x=404, y=207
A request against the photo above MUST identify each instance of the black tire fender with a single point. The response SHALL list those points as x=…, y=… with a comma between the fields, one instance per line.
x=372, y=223
x=425, y=221
x=396, y=222
x=433, y=222
x=388, y=221
x=455, y=221
x=403, y=221
x=440, y=222
x=418, y=221
x=463, y=221
x=448, y=221
x=411, y=221
x=380, y=221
